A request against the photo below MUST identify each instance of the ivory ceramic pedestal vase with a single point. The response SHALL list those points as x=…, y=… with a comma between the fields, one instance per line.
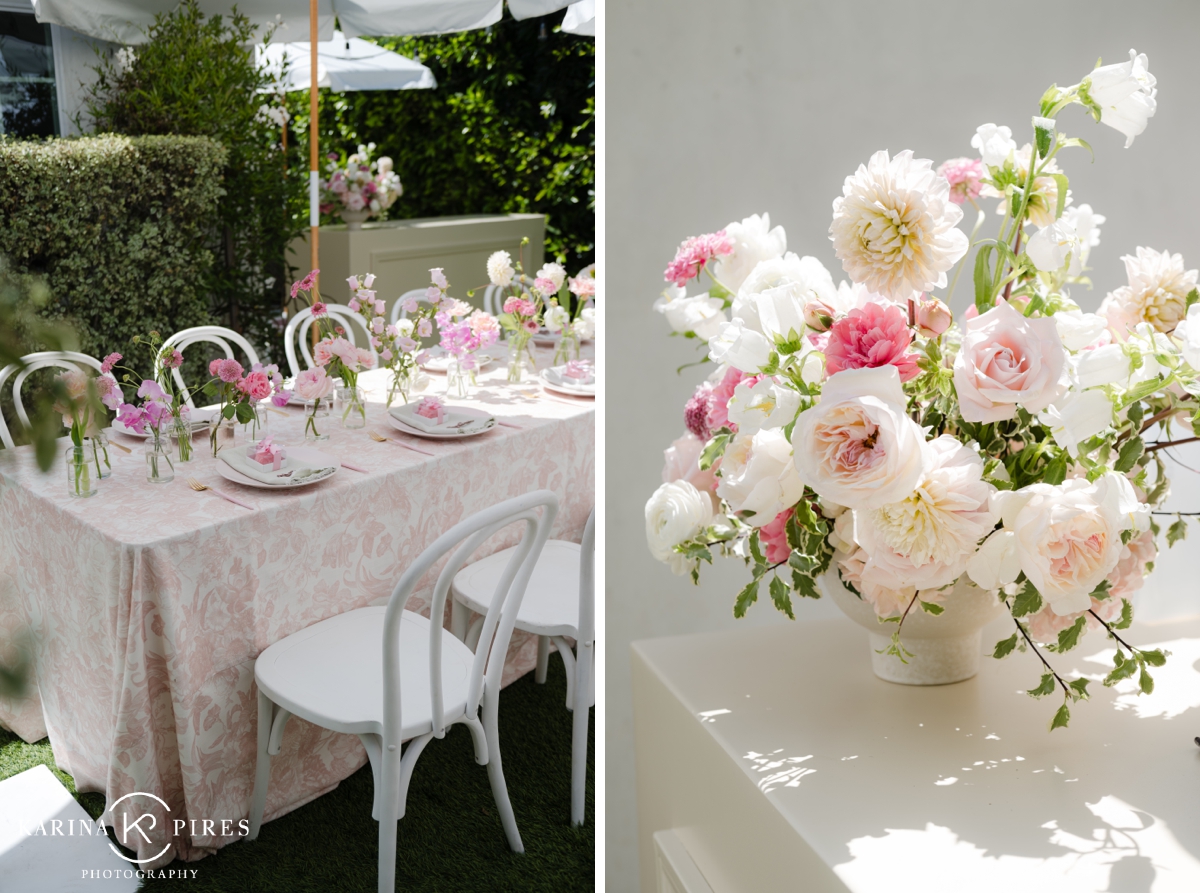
x=945, y=648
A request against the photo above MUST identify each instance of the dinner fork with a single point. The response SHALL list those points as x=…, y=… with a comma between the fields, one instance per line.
x=379, y=438
x=198, y=487
x=120, y=446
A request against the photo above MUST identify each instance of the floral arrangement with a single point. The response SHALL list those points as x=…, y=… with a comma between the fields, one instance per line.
x=81, y=400
x=160, y=391
x=522, y=306
x=574, y=320
x=463, y=330
x=394, y=344
x=856, y=432
x=312, y=386
x=239, y=393
x=359, y=184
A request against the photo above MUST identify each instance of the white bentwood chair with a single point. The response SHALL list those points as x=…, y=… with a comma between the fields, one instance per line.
x=389, y=675
x=302, y=321
x=559, y=602
x=398, y=311
x=219, y=335
x=57, y=359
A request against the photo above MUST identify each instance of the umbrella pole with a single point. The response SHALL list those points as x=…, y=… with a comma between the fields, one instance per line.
x=314, y=210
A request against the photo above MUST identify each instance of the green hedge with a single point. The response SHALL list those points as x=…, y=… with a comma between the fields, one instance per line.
x=119, y=227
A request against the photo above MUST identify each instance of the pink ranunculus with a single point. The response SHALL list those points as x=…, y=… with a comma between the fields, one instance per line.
x=313, y=384
x=696, y=412
x=366, y=359
x=681, y=462
x=773, y=536
x=229, y=371
x=322, y=353
x=1007, y=360
x=214, y=367
x=431, y=408
x=109, y=361
x=965, y=176
x=256, y=385
x=718, y=411
x=694, y=253
x=874, y=336
x=424, y=328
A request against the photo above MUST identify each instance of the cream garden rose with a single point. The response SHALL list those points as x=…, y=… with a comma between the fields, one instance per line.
x=757, y=476
x=675, y=513
x=857, y=446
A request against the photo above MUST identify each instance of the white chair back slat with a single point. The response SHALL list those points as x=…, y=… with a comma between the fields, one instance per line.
x=398, y=311
x=467, y=535
x=64, y=359
x=297, y=333
x=219, y=335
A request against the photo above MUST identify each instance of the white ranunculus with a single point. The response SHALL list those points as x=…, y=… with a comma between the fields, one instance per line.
x=699, y=314
x=1067, y=538
x=675, y=513
x=757, y=475
x=895, y=228
x=1078, y=329
x=1125, y=93
x=1102, y=365
x=925, y=540
x=1156, y=294
x=753, y=242
x=1087, y=227
x=1053, y=246
x=740, y=347
x=555, y=273
x=857, y=446
x=762, y=404
x=500, y=269
x=994, y=144
x=1188, y=333
x=1078, y=416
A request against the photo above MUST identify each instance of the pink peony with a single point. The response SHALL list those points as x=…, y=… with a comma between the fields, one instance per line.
x=874, y=336
x=256, y=385
x=694, y=253
x=109, y=361
x=773, y=536
x=313, y=384
x=965, y=176
x=229, y=371
x=696, y=412
x=718, y=412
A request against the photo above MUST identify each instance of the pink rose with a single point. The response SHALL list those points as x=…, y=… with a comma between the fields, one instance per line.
x=322, y=353
x=109, y=361
x=933, y=318
x=366, y=359
x=229, y=371
x=346, y=352
x=681, y=462
x=773, y=536
x=874, y=336
x=256, y=385
x=1008, y=360
x=313, y=384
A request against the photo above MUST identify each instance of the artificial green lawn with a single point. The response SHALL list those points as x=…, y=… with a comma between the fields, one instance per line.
x=450, y=839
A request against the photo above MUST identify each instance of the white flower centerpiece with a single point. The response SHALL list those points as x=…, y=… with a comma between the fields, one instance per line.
x=359, y=188
x=932, y=475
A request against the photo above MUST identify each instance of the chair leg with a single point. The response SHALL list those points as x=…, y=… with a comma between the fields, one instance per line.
x=543, y=660
x=262, y=771
x=568, y=659
x=389, y=816
x=579, y=730
x=491, y=709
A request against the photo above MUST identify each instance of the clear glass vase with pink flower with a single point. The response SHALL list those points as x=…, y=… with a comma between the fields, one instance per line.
x=81, y=474
x=160, y=469
x=315, y=388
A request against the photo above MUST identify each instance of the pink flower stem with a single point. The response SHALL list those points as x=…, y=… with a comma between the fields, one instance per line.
x=1170, y=443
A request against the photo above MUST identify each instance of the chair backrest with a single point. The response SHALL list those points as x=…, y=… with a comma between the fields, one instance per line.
x=218, y=335
x=587, y=581
x=297, y=333
x=498, y=623
x=493, y=300
x=59, y=359
x=398, y=311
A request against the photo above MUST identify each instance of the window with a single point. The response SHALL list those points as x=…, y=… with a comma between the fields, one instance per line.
x=28, y=97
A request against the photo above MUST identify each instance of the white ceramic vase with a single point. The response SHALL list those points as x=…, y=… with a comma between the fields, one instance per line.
x=945, y=648
x=355, y=219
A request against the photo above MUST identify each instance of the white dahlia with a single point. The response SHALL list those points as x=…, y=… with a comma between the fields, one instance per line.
x=894, y=226
x=500, y=269
x=753, y=241
x=1156, y=293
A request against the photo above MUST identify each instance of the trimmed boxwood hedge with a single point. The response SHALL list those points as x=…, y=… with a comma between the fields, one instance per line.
x=119, y=227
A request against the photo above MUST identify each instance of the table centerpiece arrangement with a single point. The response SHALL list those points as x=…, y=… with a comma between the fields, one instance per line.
x=462, y=332
x=82, y=398
x=395, y=345
x=359, y=188
x=929, y=474
x=573, y=321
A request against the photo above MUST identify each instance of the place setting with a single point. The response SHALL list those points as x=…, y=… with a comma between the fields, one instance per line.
x=576, y=378
x=431, y=418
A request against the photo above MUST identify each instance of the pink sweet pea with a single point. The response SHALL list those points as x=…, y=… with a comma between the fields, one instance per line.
x=109, y=361
x=694, y=253
x=281, y=398
x=871, y=337
x=132, y=417
x=152, y=389
x=156, y=413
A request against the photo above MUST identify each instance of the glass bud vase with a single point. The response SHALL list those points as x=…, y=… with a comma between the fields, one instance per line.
x=457, y=379
x=220, y=434
x=351, y=407
x=81, y=475
x=159, y=467
x=567, y=350
x=99, y=453
x=316, y=417
x=256, y=429
x=181, y=438
x=401, y=385
x=519, y=360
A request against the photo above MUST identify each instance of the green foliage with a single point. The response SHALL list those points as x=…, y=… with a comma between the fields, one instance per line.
x=1005, y=647
x=117, y=227
x=510, y=128
x=1176, y=532
x=199, y=77
x=1028, y=601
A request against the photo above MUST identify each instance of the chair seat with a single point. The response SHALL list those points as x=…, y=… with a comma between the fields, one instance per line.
x=551, y=603
x=331, y=673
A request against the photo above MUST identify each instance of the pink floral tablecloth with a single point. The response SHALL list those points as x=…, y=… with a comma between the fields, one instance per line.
x=148, y=603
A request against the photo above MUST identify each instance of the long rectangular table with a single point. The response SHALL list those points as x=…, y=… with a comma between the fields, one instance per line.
x=147, y=604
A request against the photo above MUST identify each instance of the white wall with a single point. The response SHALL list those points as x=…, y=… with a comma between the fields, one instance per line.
x=718, y=109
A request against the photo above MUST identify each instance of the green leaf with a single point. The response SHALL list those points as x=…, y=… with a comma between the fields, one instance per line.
x=745, y=598
x=714, y=449
x=1079, y=689
x=1055, y=471
x=772, y=364
x=1192, y=297
x=983, y=279
x=780, y=597
x=1176, y=532
x=1145, y=682
x=1126, y=615
x=1045, y=687
x=244, y=413
x=228, y=411
x=1068, y=638
x=1154, y=657
x=792, y=529
x=1006, y=647
x=1028, y=601
x=756, y=551
x=1061, y=180
x=1044, y=136
x=1075, y=142
x=1122, y=669
x=805, y=585
x=1130, y=452
x=1061, y=718
x=931, y=607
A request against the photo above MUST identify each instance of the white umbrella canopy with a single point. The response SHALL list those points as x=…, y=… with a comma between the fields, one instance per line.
x=581, y=18
x=344, y=63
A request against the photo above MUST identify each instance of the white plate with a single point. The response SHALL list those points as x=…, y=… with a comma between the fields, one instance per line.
x=200, y=419
x=300, y=455
x=447, y=435
x=585, y=390
x=440, y=362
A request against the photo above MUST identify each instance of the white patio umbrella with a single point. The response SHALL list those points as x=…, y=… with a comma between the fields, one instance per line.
x=344, y=63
